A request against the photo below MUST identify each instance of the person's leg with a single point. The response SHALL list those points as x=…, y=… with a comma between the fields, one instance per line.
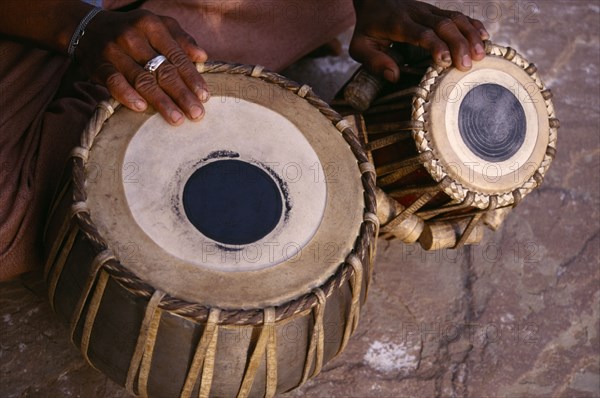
x=272, y=33
x=37, y=131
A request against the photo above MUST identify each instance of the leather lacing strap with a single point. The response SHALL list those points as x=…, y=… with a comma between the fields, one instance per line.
x=204, y=358
x=94, y=305
x=76, y=208
x=267, y=342
x=81, y=153
x=386, y=141
x=257, y=71
x=77, y=152
x=54, y=251
x=355, y=286
x=317, y=339
x=145, y=344
x=68, y=233
x=104, y=110
x=107, y=106
x=136, y=358
x=410, y=210
x=211, y=352
x=372, y=218
x=493, y=205
x=398, y=170
x=343, y=125
x=305, y=89
x=97, y=264
x=79, y=207
x=367, y=167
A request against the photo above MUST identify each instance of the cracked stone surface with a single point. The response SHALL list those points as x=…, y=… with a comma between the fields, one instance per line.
x=516, y=316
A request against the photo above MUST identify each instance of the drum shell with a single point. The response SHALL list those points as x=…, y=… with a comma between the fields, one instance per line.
x=404, y=150
x=390, y=118
x=401, y=192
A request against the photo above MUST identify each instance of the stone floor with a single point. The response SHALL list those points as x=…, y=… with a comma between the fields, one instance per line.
x=517, y=316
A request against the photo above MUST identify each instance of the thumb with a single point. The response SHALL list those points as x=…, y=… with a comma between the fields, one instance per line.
x=372, y=53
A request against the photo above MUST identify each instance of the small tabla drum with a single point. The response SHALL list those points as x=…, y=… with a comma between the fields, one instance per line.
x=454, y=151
x=227, y=257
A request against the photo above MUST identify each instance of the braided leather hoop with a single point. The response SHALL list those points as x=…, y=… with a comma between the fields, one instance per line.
x=455, y=189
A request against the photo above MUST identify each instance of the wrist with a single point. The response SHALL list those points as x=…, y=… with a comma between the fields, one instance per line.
x=79, y=31
x=72, y=16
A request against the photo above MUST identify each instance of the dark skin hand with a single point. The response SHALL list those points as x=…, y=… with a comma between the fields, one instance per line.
x=114, y=50
x=450, y=36
x=115, y=47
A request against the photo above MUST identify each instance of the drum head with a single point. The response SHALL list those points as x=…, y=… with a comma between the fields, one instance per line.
x=253, y=206
x=488, y=128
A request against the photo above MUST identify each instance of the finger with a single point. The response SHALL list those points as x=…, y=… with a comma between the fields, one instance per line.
x=170, y=81
x=189, y=74
x=481, y=28
x=185, y=41
x=119, y=88
x=469, y=31
x=147, y=86
x=371, y=53
x=161, y=39
x=459, y=47
x=425, y=37
x=194, y=53
x=472, y=34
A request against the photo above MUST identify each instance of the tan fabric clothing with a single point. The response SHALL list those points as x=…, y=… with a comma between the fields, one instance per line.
x=37, y=130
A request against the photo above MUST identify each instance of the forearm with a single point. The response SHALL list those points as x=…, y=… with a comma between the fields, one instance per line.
x=48, y=23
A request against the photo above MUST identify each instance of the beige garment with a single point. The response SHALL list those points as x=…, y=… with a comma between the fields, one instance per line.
x=37, y=130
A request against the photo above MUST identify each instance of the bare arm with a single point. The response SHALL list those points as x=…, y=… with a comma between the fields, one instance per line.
x=114, y=49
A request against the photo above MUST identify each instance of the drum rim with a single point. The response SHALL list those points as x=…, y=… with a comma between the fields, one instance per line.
x=436, y=168
x=362, y=250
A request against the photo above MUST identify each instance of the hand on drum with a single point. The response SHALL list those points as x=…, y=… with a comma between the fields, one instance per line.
x=117, y=45
x=450, y=36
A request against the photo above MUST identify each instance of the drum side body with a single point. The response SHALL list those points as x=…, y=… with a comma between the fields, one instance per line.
x=404, y=184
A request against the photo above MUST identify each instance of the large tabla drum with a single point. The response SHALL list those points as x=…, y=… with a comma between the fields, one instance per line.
x=228, y=257
x=454, y=150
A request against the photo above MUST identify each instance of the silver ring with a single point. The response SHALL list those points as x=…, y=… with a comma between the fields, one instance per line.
x=152, y=65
